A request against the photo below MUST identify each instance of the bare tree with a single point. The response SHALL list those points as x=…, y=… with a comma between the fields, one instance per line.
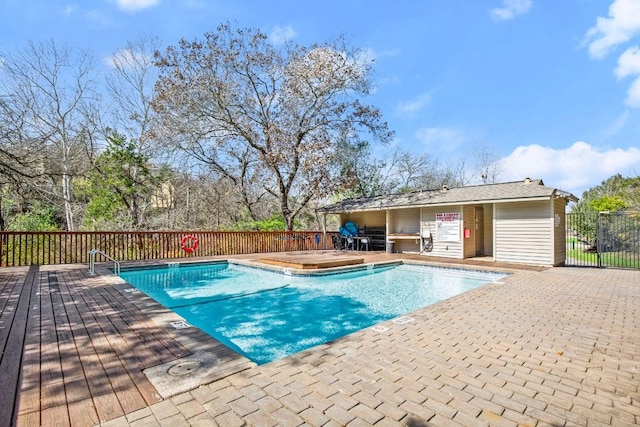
x=19, y=156
x=356, y=161
x=408, y=171
x=414, y=171
x=486, y=163
x=130, y=86
x=235, y=100
x=452, y=174
x=233, y=168
x=52, y=91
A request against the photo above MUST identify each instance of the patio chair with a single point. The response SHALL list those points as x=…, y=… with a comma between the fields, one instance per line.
x=348, y=232
x=363, y=242
x=350, y=243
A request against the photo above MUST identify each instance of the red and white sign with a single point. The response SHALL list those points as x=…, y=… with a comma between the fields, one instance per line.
x=448, y=227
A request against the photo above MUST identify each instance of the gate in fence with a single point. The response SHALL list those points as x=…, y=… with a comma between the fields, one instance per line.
x=603, y=239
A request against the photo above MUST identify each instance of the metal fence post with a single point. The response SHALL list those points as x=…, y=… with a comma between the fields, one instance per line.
x=598, y=241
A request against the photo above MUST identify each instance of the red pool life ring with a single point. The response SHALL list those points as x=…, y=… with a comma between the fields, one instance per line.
x=189, y=243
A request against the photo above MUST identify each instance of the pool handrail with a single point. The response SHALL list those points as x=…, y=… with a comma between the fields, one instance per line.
x=92, y=261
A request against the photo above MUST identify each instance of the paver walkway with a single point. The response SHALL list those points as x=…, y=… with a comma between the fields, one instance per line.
x=552, y=348
x=538, y=348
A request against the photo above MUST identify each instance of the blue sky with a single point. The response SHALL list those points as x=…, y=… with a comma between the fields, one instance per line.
x=553, y=87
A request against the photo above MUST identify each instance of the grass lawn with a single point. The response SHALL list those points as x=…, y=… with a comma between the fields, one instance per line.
x=576, y=255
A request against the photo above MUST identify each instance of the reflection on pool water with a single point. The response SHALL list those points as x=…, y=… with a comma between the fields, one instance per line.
x=266, y=315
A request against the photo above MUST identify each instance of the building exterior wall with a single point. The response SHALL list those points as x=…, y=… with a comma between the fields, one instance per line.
x=523, y=234
x=405, y=222
x=440, y=248
x=559, y=227
x=407, y=245
x=488, y=229
x=468, y=231
x=526, y=232
x=365, y=219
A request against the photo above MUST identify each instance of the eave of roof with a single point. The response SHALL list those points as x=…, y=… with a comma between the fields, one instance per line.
x=528, y=190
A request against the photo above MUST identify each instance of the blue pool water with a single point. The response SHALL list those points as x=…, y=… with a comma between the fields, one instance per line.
x=266, y=315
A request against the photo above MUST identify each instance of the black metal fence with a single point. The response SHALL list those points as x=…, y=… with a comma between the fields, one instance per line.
x=603, y=239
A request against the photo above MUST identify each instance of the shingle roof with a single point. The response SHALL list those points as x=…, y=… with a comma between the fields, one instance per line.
x=533, y=189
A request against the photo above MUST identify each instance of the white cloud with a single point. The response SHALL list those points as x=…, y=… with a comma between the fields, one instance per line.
x=125, y=58
x=575, y=169
x=629, y=62
x=633, y=94
x=510, y=9
x=619, y=27
x=135, y=5
x=415, y=105
x=280, y=35
x=629, y=65
x=441, y=139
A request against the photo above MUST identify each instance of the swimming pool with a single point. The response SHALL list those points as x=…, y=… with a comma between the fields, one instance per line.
x=266, y=315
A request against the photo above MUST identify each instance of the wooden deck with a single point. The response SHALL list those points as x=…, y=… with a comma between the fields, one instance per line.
x=74, y=348
x=310, y=261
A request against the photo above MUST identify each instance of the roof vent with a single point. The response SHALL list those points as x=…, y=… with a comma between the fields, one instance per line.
x=527, y=180
x=445, y=188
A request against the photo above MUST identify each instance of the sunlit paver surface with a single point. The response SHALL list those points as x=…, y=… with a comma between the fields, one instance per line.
x=554, y=347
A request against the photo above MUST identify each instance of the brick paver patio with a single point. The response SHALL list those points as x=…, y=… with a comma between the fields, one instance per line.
x=559, y=347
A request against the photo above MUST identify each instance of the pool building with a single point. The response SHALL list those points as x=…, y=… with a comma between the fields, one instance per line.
x=519, y=222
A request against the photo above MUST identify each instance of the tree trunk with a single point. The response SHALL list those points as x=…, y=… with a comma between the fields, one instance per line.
x=66, y=194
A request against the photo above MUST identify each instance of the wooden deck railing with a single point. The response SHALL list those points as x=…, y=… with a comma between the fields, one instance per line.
x=40, y=248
